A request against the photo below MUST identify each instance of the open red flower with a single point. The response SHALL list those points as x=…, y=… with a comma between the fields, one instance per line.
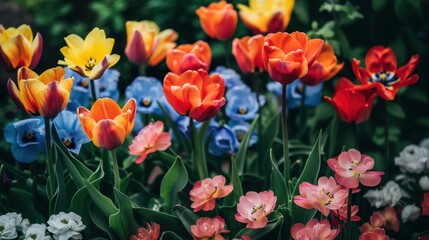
x=353, y=104
x=382, y=72
x=218, y=20
x=288, y=57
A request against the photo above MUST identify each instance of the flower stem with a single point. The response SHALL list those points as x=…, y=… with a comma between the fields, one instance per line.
x=225, y=48
x=286, y=171
x=386, y=138
x=349, y=215
x=198, y=160
x=93, y=92
x=302, y=112
x=116, y=177
x=332, y=136
x=49, y=159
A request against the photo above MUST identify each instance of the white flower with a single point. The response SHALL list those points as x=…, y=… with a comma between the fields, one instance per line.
x=23, y=226
x=36, y=232
x=7, y=228
x=424, y=143
x=389, y=195
x=412, y=159
x=65, y=226
x=424, y=183
x=410, y=213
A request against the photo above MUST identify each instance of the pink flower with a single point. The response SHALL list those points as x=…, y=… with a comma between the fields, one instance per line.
x=376, y=234
x=392, y=222
x=253, y=208
x=342, y=213
x=314, y=230
x=352, y=167
x=425, y=204
x=151, y=233
x=209, y=228
x=150, y=139
x=325, y=196
x=205, y=192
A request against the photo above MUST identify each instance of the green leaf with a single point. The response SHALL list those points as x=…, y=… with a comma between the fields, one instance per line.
x=261, y=232
x=169, y=236
x=101, y=221
x=235, y=195
x=309, y=174
x=286, y=224
x=242, y=151
x=378, y=5
x=60, y=199
x=174, y=180
x=409, y=12
x=396, y=110
x=166, y=158
x=21, y=199
x=266, y=139
x=123, y=222
x=167, y=221
x=278, y=184
x=187, y=217
x=104, y=203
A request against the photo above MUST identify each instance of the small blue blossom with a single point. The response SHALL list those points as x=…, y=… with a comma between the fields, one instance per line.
x=147, y=91
x=240, y=128
x=230, y=76
x=313, y=94
x=26, y=138
x=241, y=104
x=70, y=131
x=107, y=85
x=182, y=124
x=223, y=140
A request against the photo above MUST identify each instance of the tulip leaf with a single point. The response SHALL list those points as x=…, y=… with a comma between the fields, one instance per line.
x=123, y=222
x=174, y=181
x=21, y=199
x=168, y=235
x=242, y=151
x=101, y=221
x=275, y=220
x=278, y=184
x=309, y=174
x=396, y=110
x=60, y=199
x=235, y=195
x=80, y=204
x=104, y=203
x=167, y=221
x=266, y=139
x=186, y=216
x=166, y=158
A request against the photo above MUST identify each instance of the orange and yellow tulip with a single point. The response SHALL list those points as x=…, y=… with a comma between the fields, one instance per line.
x=218, y=20
x=248, y=53
x=106, y=124
x=288, y=56
x=195, y=93
x=267, y=16
x=189, y=57
x=18, y=48
x=324, y=67
x=146, y=44
x=45, y=95
x=89, y=57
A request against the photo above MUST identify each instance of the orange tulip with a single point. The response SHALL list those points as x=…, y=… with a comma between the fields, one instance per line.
x=324, y=68
x=195, y=93
x=189, y=57
x=248, y=53
x=45, y=95
x=106, y=124
x=218, y=20
x=288, y=56
x=268, y=16
x=17, y=47
x=146, y=44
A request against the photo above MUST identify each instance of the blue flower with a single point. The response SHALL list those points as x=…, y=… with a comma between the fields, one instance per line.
x=147, y=91
x=241, y=104
x=70, y=131
x=240, y=128
x=230, y=76
x=107, y=85
x=26, y=138
x=223, y=140
x=182, y=124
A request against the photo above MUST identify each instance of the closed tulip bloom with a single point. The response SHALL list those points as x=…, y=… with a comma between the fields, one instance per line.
x=248, y=53
x=45, y=95
x=352, y=104
x=314, y=230
x=218, y=20
x=146, y=44
x=288, y=57
x=324, y=67
x=89, y=57
x=267, y=16
x=189, y=57
x=382, y=72
x=18, y=47
x=106, y=124
x=195, y=93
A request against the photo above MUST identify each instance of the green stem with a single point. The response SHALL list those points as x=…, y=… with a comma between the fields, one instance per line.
x=142, y=70
x=386, y=138
x=286, y=171
x=332, y=135
x=255, y=82
x=49, y=158
x=93, y=92
x=302, y=112
x=198, y=161
x=116, y=177
x=349, y=215
x=226, y=52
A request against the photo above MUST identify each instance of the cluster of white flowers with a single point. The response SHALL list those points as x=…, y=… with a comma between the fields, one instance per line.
x=390, y=194
x=63, y=226
x=413, y=159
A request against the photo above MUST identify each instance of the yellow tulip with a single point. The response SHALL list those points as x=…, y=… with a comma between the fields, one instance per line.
x=266, y=16
x=45, y=95
x=18, y=48
x=146, y=44
x=89, y=57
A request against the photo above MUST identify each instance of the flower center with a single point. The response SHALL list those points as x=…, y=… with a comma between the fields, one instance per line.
x=90, y=64
x=84, y=83
x=29, y=137
x=242, y=110
x=146, y=102
x=386, y=78
x=64, y=221
x=256, y=208
x=240, y=137
x=69, y=143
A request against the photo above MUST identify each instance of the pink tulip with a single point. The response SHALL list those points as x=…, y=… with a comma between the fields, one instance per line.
x=314, y=230
x=376, y=234
x=253, y=208
x=342, y=213
x=150, y=139
x=209, y=228
x=150, y=233
x=325, y=196
x=352, y=167
x=205, y=192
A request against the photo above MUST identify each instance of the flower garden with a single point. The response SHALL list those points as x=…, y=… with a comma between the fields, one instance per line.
x=274, y=119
